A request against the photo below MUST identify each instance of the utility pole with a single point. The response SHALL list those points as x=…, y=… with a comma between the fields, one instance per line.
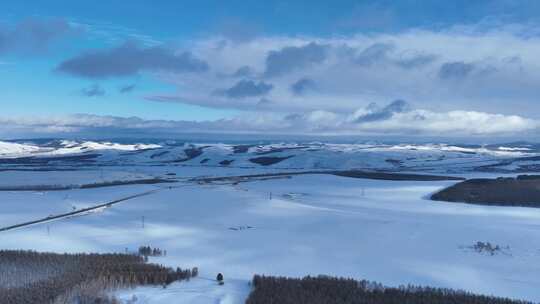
x=48, y=230
x=270, y=195
x=142, y=222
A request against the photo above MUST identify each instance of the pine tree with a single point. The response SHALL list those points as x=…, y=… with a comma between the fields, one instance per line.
x=219, y=278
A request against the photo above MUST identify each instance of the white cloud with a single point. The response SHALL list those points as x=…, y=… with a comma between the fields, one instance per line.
x=382, y=121
x=460, y=68
x=459, y=81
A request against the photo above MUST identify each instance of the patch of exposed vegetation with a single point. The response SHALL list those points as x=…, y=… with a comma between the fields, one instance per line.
x=144, y=181
x=276, y=150
x=29, y=277
x=159, y=154
x=240, y=228
x=523, y=190
x=191, y=153
x=49, y=160
x=226, y=162
x=489, y=249
x=393, y=176
x=324, y=289
x=241, y=148
x=343, y=173
x=268, y=160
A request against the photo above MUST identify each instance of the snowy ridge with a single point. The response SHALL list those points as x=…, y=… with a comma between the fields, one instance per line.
x=314, y=155
x=11, y=149
x=70, y=147
x=15, y=149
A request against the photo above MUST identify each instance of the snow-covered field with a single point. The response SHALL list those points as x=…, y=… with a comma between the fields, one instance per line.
x=78, y=177
x=386, y=231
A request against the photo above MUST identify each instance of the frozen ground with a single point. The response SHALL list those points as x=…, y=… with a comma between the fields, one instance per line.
x=312, y=224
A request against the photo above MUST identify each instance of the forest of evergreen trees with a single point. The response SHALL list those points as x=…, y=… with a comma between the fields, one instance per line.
x=29, y=277
x=147, y=251
x=324, y=290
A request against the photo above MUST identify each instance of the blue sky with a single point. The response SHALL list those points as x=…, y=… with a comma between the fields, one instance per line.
x=437, y=68
x=170, y=18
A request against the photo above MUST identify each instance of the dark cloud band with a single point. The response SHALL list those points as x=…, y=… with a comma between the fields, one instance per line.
x=130, y=59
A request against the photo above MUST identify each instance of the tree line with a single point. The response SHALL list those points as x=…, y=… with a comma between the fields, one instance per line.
x=324, y=290
x=33, y=277
x=147, y=251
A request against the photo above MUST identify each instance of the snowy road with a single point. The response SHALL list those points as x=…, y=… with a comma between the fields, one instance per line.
x=77, y=212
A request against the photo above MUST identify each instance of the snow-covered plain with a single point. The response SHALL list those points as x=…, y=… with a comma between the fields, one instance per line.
x=379, y=230
x=386, y=231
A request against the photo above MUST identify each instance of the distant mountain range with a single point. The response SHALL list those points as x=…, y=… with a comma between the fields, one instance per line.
x=59, y=154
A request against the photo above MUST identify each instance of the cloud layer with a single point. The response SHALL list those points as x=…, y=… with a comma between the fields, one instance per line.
x=93, y=91
x=290, y=58
x=397, y=118
x=459, y=68
x=462, y=80
x=33, y=36
x=246, y=88
x=129, y=59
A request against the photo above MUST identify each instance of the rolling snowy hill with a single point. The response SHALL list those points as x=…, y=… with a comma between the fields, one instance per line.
x=447, y=158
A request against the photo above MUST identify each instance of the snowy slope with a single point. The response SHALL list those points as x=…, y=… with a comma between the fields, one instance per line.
x=12, y=149
x=71, y=147
x=15, y=149
x=442, y=158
